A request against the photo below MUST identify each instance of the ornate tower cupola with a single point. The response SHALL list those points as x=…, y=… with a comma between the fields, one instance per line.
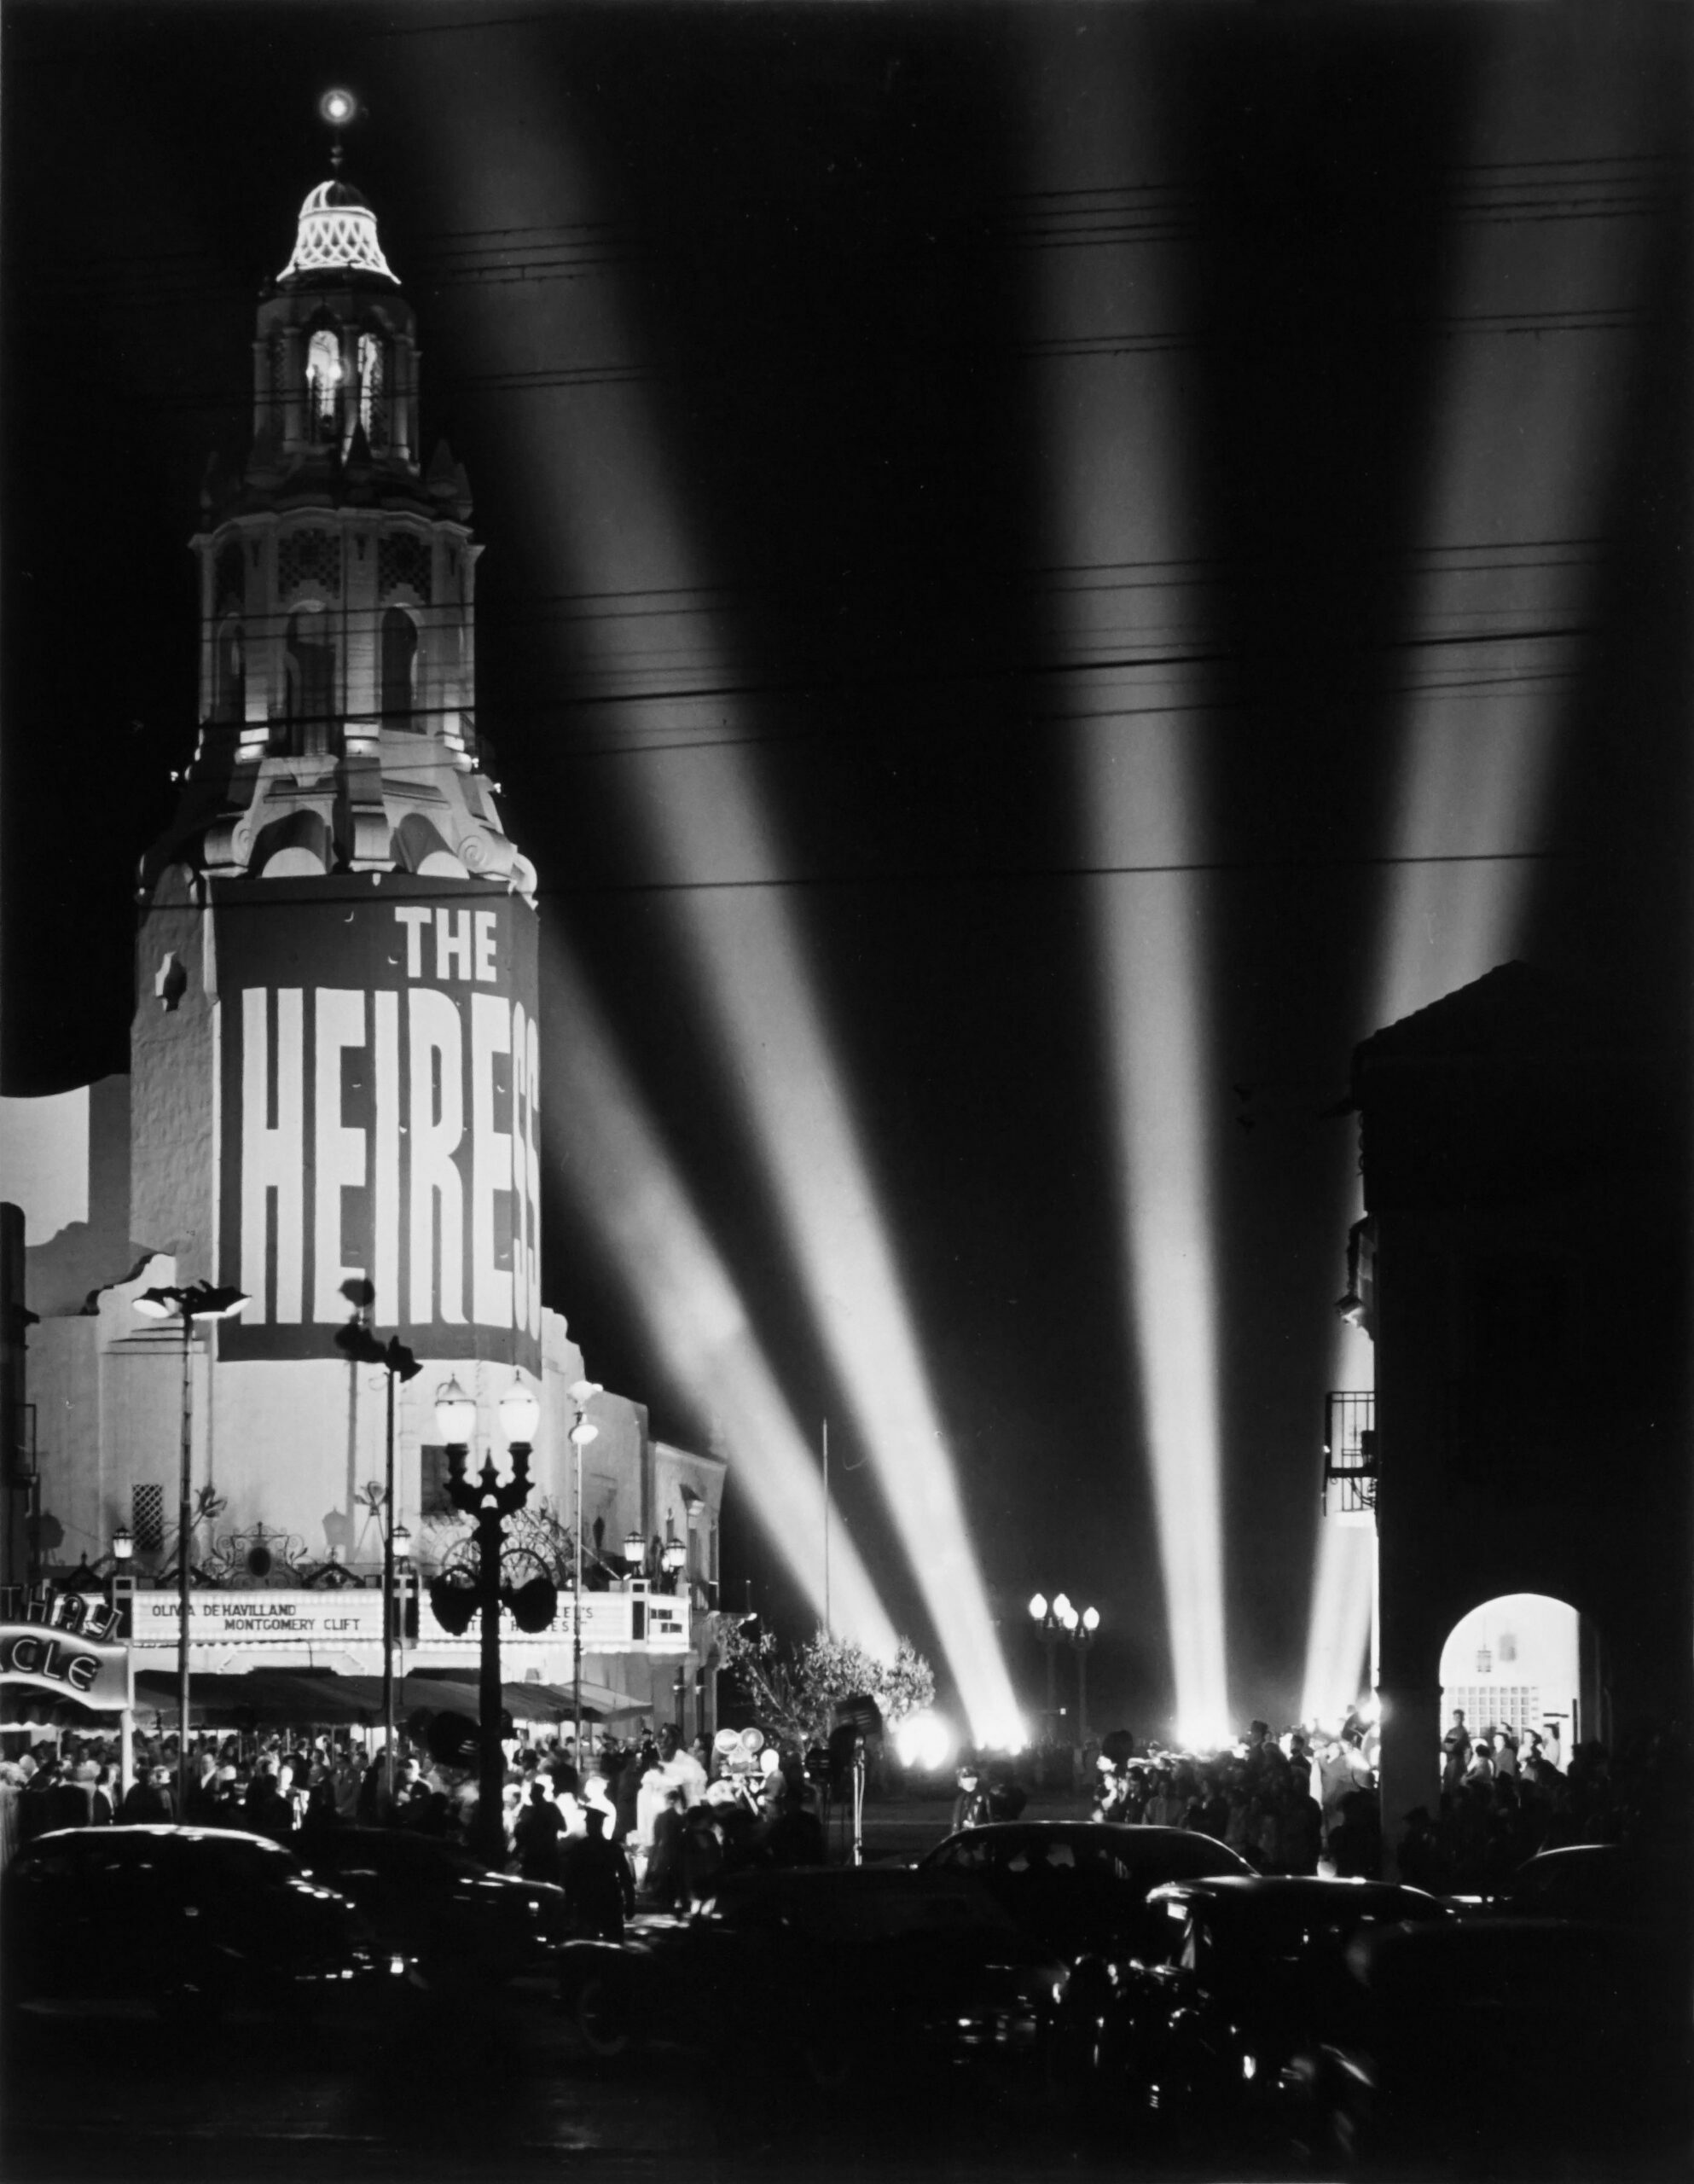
x=337, y=685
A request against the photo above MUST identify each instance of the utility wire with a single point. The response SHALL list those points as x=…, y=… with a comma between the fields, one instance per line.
x=911, y=876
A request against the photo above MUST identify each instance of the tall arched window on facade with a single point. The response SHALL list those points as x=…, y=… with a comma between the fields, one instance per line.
x=229, y=674
x=373, y=390
x=399, y=668
x=323, y=380
x=310, y=669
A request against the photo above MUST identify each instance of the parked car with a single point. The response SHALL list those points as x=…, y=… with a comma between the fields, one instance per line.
x=1081, y=1887
x=1601, y=1881
x=1213, y=2035
x=190, y=1923
x=440, y=1909
x=1494, y=2046
x=827, y=1980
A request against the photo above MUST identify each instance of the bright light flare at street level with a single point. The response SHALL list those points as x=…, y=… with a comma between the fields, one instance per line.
x=621, y=1177
x=1116, y=490
x=924, y=1740
x=603, y=499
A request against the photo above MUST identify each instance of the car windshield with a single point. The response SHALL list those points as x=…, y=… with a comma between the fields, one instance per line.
x=1105, y=1857
x=374, y=1851
x=1260, y=1934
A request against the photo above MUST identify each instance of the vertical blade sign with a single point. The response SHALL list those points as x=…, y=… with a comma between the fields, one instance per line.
x=380, y=1113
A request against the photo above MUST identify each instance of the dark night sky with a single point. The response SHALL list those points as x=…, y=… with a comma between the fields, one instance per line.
x=775, y=315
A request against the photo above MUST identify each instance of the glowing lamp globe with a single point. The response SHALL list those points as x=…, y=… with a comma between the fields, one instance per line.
x=337, y=108
x=1038, y=1606
x=635, y=1548
x=123, y=1546
x=1068, y=1617
x=1091, y=1618
x=1062, y=1609
x=402, y=1544
x=456, y=1415
x=519, y=1414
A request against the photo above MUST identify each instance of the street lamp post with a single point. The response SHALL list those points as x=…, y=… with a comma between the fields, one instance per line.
x=399, y=1555
x=201, y=1300
x=582, y=1431
x=122, y=1589
x=397, y=1363
x=490, y=1504
x=1080, y=1628
x=1049, y=1621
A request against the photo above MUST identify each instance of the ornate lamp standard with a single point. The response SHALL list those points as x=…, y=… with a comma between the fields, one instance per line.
x=1080, y=1629
x=397, y=1363
x=582, y=1431
x=490, y=1504
x=1049, y=1623
x=198, y=1301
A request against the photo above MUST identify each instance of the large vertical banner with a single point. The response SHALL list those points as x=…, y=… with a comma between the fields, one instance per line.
x=380, y=1113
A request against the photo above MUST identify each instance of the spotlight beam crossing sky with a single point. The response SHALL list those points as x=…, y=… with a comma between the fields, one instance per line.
x=934, y=466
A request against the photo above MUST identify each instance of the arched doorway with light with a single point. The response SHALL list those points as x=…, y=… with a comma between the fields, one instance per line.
x=1527, y=1661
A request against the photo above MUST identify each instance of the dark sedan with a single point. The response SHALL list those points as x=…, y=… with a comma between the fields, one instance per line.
x=1213, y=2035
x=192, y=1925
x=1502, y=2043
x=826, y=1980
x=441, y=1909
x=1603, y=1882
x=1081, y=1887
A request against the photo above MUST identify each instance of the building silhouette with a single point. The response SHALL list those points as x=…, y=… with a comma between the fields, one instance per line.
x=1523, y=1271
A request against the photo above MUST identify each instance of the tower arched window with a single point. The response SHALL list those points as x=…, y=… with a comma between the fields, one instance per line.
x=324, y=381
x=229, y=674
x=373, y=389
x=399, y=668
x=309, y=666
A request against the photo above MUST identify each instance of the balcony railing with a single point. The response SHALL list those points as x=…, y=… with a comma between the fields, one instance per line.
x=1350, y=1456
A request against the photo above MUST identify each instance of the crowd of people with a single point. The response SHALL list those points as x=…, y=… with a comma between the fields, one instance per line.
x=667, y=1816
x=1503, y=1798
x=1308, y=1803
x=1298, y=1804
x=655, y=1815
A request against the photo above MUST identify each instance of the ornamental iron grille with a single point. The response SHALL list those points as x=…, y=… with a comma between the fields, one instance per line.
x=1514, y=1706
x=1350, y=1454
x=146, y=1519
x=256, y=1557
x=310, y=558
x=402, y=562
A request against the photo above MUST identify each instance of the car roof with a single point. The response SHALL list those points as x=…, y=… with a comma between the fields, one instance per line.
x=1126, y=1838
x=157, y=1829
x=1317, y=1889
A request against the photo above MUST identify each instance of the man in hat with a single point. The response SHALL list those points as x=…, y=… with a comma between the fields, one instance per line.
x=1455, y=1750
x=600, y=1889
x=971, y=1808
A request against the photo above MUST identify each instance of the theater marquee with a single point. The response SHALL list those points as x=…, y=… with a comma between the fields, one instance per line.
x=379, y=1092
